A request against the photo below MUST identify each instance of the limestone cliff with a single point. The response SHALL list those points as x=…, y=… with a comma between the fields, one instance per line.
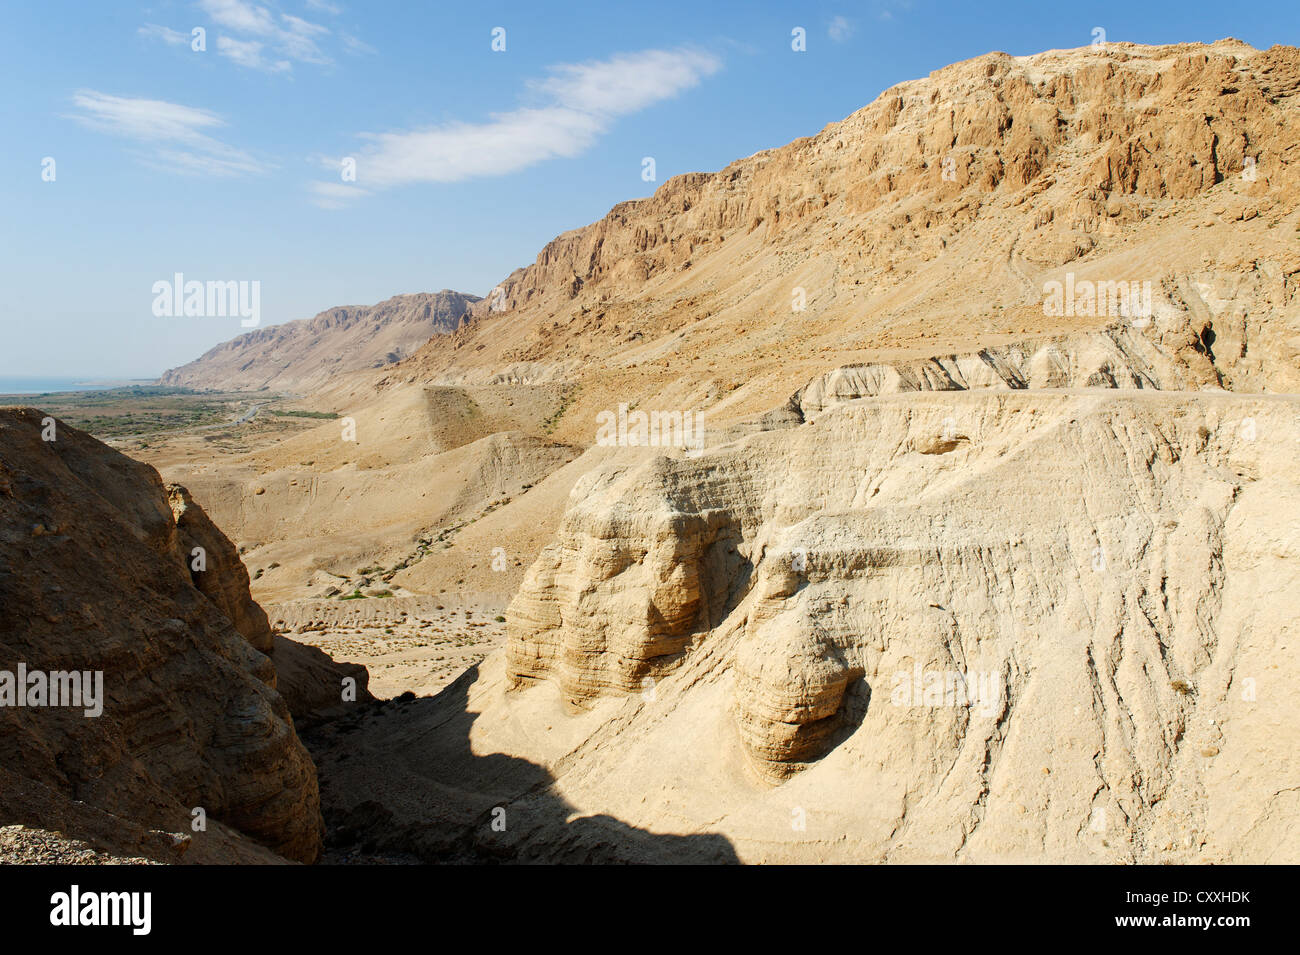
x=928, y=222
x=1013, y=625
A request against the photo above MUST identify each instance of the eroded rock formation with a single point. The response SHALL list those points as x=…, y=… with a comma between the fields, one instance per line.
x=96, y=577
x=964, y=607
x=215, y=568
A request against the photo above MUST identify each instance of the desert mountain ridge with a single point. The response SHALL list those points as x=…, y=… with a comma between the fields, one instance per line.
x=918, y=236
x=832, y=610
x=304, y=354
x=980, y=559
x=930, y=221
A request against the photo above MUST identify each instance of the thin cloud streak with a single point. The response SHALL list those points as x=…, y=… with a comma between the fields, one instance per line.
x=269, y=42
x=584, y=100
x=177, y=135
x=261, y=38
x=169, y=36
x=250, y=53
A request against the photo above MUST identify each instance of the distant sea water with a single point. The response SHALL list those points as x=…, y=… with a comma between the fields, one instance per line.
x=14, y=385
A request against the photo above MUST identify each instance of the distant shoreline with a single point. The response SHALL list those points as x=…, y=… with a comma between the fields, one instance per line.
x=37, y=385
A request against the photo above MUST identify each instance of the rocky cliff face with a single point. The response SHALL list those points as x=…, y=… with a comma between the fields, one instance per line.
x=1016, y=625
x=1170, y=358
x=99, y=574
x=929, y=222
x=1096, y=135
x=1001, y=580
x=215, y=568
x=964, y=574
x=301, y=355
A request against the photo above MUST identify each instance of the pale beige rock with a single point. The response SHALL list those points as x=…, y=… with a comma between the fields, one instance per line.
x=1087, y=563
x=1121, y=356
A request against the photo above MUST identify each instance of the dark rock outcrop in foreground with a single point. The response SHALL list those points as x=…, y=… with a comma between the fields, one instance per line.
x=97, y=574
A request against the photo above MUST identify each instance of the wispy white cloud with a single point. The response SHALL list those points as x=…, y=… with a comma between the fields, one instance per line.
x=355, y=45
x=169, y=36
x=240, y=16
x=885, y=9
x=298, y=40
x=840, y=29
x=335, y=195
x=457, y=151
x=261, y=37
x=176, y=137
x=223, y=164
x=266, y=40
x=627, y=82
x=579, y=102
x=252, y=54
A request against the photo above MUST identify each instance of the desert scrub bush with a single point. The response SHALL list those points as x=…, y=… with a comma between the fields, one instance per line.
x=305, y=414
x=549, y=425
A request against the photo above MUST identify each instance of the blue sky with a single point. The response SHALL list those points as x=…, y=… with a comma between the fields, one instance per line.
x=226, y=163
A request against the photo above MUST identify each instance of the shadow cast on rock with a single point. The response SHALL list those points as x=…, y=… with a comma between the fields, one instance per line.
x=400, y=783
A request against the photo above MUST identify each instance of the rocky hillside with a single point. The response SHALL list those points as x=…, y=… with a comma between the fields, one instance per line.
x=930, y=221
x=971, y=569
x=1092, y=674
x=915, y=245
x=298, y=356
x=997, y=626
x=103, y=570
x=988, y=552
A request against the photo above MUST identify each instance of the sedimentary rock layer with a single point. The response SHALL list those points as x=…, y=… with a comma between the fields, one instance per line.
x=1021, y=624
x=97, y=576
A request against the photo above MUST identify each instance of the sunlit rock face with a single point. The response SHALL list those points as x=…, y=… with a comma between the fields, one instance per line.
x=1060, y=607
